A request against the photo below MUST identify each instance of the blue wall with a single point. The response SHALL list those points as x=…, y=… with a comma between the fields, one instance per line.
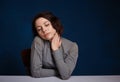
x=93, y=24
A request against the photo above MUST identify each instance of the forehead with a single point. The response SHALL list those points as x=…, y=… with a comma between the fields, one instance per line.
x=41, y=20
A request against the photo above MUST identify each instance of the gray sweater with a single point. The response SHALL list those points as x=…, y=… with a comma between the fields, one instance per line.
x=45, y=62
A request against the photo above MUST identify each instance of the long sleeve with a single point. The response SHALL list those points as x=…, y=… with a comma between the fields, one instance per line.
x=37, y=69
x=66, y=66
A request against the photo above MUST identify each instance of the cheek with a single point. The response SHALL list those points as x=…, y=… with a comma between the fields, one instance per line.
x=53, y=30
x=40, y=34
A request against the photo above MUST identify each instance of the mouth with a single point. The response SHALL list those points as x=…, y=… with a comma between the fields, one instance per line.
x=47, y=34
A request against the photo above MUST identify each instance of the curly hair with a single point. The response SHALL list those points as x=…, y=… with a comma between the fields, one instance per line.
x=52, y=18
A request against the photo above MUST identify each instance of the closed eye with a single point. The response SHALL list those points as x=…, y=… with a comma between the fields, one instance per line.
x=47, y=25
x=38, y=28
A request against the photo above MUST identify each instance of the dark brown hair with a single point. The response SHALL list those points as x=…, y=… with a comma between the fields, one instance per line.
x=52, y=18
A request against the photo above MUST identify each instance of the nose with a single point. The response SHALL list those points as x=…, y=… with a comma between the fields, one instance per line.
x=44, y=29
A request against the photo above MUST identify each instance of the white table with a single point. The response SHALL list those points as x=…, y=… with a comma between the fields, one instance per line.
x=110, y=78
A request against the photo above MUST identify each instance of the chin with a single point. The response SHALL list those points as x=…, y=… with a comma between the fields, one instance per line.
x=48, y=38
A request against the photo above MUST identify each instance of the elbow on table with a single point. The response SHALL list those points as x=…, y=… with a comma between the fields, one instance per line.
x=35, y=75
x=65, y=77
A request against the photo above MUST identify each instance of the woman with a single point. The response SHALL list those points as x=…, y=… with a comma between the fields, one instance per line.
x=51, y=54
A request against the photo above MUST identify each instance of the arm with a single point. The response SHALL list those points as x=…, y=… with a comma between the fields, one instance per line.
x=36, y=62
x=67, y=65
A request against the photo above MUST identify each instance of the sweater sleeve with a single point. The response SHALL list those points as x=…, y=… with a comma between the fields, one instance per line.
x=37, y=69
x=66, y=65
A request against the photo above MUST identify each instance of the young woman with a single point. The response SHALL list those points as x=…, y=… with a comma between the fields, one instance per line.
x=51, y=54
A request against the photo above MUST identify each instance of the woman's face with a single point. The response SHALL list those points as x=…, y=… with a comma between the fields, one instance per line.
x=44, y=28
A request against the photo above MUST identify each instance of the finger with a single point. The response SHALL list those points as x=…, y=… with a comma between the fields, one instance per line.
x=60, y=42
x=54, y=35
x=59, y=39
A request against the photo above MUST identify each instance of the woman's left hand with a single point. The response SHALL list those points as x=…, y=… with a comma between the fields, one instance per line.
x=56, y=42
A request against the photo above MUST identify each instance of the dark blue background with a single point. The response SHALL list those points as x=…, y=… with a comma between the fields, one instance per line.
x=93, y=24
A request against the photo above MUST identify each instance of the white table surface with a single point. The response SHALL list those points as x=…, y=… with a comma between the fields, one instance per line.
x=110, y=78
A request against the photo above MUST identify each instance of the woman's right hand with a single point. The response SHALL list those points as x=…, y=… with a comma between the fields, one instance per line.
x=56, y=42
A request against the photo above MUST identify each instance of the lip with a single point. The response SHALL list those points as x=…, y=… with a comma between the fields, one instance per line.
x=47, y=34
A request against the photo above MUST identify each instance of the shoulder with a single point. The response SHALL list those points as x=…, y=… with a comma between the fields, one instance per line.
x=37, y=40
x=68, y=43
